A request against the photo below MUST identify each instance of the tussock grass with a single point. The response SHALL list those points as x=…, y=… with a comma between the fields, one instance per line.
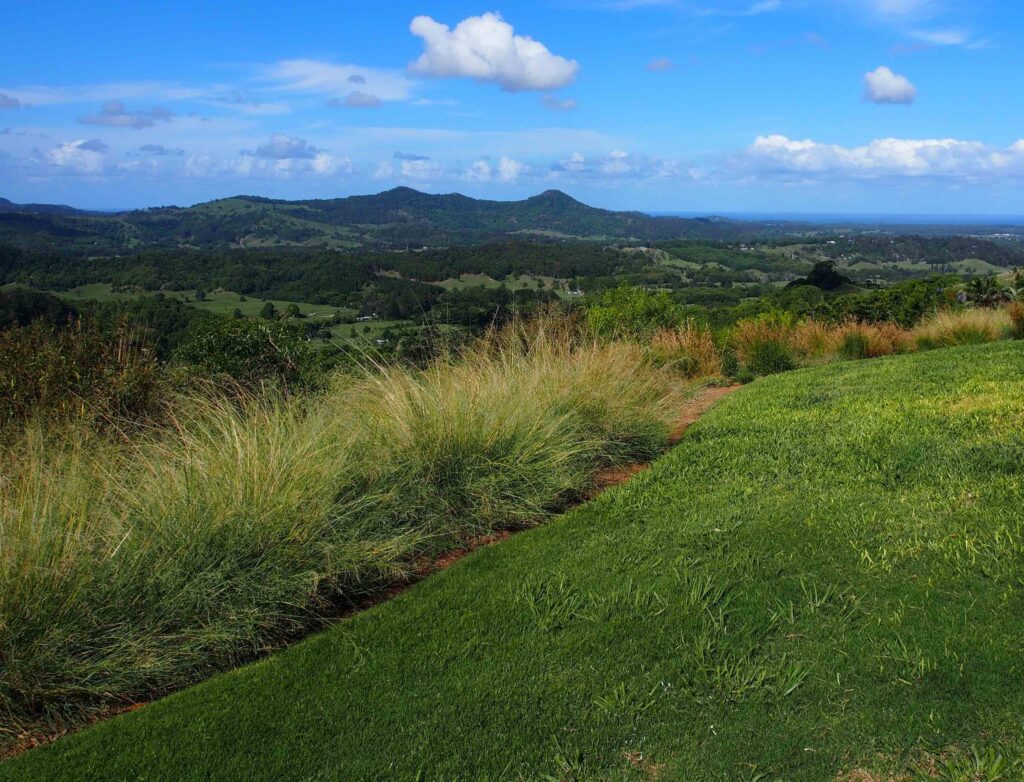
x=765, y=344
x=132, y=569
x=1016, y=312
x=689, y=347
x=774, y=343
x=963, y=327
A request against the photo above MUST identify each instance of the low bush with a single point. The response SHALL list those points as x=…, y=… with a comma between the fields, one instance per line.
x=76, y=373
x=633, y=313
x=255, y=353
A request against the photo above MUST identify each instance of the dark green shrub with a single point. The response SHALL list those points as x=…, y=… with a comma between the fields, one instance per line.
x=77, y=372
x=633, y=313
x=770, y=357
x=255, y=353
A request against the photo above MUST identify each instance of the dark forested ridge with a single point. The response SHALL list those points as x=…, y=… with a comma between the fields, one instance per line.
x=397, y=219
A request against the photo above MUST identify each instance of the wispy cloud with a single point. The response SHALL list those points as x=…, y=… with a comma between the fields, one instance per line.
x=114, y=114
x=338, y=80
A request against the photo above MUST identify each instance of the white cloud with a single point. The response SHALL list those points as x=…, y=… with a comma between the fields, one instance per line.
x=485, y=48
x=358, y=100
x=659, y=64
x=510, y=170
x=114, y=114
x=617, y=164
x=903, y=7
x=282, y=147
x=479, y=171
x=339, y=80
x=887, y=157
x=420, y=170
x=79, y=157
x=554, y=103
x=883, y=86
x=942, y=37
x=90, y=93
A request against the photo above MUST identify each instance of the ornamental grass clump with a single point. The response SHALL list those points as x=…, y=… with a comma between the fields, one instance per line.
x=973, y=326
x=765, y=344
x=690, y=348
x=133, y=566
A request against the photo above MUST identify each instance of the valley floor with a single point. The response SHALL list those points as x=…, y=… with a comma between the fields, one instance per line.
x=825, y=578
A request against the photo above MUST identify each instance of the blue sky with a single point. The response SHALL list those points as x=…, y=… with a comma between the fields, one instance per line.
x=913, y=106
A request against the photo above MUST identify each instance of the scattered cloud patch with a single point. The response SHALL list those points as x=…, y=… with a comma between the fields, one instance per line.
x=486, y=49
x=659, y=64
x=282, y=147
x=337, y=80
x=886, y=157
x=7, y=102
x=942, y=37
x=615, y=165
x=882, y=85
x=507, y=170
x=114, y=114
x=357, y=100
x=409, y=156
x=554, y=103
x=246, y=104
x=159, y=150
x=78, y=157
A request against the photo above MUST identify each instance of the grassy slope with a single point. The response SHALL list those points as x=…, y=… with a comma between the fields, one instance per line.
x=825, y=574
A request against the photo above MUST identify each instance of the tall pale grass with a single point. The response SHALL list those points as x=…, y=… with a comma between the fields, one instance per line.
x=963, y=327
x=130, y=570
x=691, y=348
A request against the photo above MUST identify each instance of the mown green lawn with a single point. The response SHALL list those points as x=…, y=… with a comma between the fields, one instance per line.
x=825, y=575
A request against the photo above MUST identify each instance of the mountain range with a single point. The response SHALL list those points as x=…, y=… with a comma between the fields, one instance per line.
x=399, y=219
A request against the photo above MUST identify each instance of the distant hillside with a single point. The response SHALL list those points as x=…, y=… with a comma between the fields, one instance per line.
x=43, y=209
x=398, y=218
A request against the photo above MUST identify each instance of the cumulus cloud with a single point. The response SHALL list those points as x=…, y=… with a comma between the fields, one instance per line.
x=282, y=147
x=659, y=64
x=554, y=103
x=507, y=170
x=7, y=102
x=946, y=158
x=114, y=114
x=510, y=170
x=78, y=157
x=883, y=86
x=283, y=157
x=485, y=48
x=357, y=100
